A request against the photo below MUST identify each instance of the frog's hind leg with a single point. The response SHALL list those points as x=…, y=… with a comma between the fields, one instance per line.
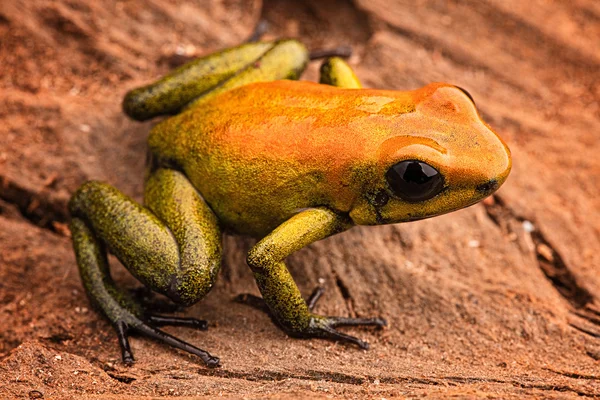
x=171, y=93
x=205, y=77
x=287, y=59
x=173, y=246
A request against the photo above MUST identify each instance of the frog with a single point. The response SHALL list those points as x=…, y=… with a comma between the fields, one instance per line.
x=245, y=147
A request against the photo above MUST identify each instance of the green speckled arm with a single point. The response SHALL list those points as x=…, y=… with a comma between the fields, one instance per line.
x=336, y=72
x=169, y=94
x=173, y=246
x=276, y=284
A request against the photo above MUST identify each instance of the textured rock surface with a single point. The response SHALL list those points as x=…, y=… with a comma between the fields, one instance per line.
x=491, y=301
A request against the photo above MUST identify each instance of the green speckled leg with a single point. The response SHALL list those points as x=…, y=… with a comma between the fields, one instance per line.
x=171, y=93
x=336, y=72
x=173, y=246
x=278, y=288
x=192, y=83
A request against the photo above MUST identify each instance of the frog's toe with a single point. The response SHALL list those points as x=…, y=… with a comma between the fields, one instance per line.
x=127, y=355
x=126, y=326
x=324, y=327
x=343, y=321
x=161, y=320
x=320, y=326
x=314, y=297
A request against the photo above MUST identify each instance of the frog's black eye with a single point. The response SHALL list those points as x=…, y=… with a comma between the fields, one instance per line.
x=467, y=93
x=414, y=180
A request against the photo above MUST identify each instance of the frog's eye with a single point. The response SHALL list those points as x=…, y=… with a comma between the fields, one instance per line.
x=467, y=93
x=414, y=180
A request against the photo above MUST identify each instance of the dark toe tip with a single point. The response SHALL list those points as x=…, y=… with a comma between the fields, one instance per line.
x=128, y=359
x=201, y=325
x=213, y=362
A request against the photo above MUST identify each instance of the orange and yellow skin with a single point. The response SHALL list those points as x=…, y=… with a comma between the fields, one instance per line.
x=288, y=162
x=315, y=145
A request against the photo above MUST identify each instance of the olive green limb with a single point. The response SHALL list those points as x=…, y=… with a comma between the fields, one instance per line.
x=336, y=72
x=178, y=259
x=125, y=315
x=171, y=93
x=173, y=246
x=277, y=286
x=286, y=59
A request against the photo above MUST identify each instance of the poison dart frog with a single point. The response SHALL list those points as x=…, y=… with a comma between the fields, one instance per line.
x=251, y=150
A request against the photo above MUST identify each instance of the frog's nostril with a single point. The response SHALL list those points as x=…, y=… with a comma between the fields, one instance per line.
x=487, y=187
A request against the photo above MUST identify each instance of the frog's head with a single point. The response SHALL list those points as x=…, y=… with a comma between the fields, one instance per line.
x=438, y=157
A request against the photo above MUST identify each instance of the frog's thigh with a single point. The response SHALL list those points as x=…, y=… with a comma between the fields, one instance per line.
x=276, y=285
x=336, y=72
x=173, y=246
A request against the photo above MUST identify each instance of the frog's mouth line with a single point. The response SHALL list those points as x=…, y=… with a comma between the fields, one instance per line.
x=482, y=191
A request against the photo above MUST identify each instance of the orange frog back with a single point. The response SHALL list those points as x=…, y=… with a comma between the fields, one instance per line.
x=262, y=152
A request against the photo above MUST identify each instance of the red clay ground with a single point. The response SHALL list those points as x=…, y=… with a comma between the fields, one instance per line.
x=490, y=302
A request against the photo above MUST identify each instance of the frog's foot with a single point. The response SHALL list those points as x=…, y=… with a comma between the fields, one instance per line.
x=319, y=326
x=324, y=327
x=127, y=323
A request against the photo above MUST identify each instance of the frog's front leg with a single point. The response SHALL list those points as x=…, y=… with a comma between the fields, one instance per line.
x=277, y=286
x=173, y=246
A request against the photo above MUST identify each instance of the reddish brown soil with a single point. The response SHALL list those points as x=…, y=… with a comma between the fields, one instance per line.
x=478, y=305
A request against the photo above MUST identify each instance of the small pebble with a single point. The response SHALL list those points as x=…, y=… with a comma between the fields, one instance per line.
x=528, y=226
x=546, y=252
x=473, y=243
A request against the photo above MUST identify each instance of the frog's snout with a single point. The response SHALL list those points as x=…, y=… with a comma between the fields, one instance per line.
x=488, y=187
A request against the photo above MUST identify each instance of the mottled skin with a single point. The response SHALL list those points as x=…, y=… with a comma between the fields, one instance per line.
x=287, y=162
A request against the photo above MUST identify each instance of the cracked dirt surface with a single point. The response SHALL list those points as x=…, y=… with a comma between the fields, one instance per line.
x=496, y=301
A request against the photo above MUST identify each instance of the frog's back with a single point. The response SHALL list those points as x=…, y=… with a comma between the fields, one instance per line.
x=263, y=151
